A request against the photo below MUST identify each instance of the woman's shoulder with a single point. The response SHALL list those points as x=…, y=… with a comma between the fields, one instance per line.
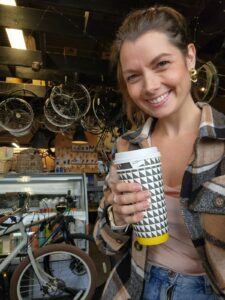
x=211, y=113
x=212, y=121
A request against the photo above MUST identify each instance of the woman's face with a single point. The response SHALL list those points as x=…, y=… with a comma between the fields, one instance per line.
x=156, y=74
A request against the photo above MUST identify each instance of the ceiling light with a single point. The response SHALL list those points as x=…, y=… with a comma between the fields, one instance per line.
x=15, y=36
x=15, y=145
x=86, y=17
x=8, y=2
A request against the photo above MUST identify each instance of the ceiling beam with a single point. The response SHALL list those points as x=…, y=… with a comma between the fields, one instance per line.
x=57, y=76
x=40, y=20
x=25, y=58
x=18, y=63
x=111, y=7
x=7, y=88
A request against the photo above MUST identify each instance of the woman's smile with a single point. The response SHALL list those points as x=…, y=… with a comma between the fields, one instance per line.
x=156, y=74
x=159, y=100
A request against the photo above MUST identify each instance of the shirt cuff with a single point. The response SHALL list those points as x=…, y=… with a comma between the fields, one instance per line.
x=113, y=226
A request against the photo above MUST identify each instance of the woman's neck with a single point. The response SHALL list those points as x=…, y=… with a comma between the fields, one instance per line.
x=185, y=121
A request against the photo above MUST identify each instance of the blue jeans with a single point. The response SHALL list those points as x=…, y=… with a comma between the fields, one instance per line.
x=162, y=284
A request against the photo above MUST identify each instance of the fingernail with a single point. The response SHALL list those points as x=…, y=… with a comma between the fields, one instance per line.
x=138, y=187
x=147, y=194
x=149, y=202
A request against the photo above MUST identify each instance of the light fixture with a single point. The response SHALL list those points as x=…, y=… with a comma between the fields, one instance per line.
x=42, y=139
x=202, y=89
x=8, y=2
x=15, y=145
x=79, y=136
x=15, y=36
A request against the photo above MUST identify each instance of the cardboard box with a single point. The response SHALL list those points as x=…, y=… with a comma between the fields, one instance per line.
x=6, y=153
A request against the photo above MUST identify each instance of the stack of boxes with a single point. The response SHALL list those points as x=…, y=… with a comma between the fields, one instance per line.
x=6, y=157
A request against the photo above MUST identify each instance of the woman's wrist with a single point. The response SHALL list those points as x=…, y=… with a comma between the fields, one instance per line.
x=115, y=226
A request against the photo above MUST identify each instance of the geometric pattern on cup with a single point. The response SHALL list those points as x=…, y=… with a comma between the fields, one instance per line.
x=154, y=222
x=140, y=163
x=152, y=161
x=148, y=178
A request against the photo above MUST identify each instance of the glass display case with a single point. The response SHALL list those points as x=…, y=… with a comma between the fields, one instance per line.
x=46, y=191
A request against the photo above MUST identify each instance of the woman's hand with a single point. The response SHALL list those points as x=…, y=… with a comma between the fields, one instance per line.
x=129, y=202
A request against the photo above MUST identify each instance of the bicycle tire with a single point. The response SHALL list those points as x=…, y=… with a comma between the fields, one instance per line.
x=79, y=97
x=24, y=281
x=75, y=236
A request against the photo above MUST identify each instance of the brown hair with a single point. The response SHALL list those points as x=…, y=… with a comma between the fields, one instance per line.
x=159, y=18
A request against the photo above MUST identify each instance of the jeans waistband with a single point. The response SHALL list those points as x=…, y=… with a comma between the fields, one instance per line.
x=172, y=276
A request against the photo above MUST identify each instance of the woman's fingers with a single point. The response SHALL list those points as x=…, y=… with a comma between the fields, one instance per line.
x=132, y=198
x=121, y=187
x=129, y=202
x=137, y=217
x=129, y=214
x=129, y=207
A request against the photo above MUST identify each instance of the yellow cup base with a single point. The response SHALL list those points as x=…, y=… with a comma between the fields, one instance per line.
x=153, y=240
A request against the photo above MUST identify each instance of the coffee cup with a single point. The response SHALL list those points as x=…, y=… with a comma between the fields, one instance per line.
x=143, y=166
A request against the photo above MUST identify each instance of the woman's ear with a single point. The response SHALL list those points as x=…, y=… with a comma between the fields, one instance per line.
x=191, y=56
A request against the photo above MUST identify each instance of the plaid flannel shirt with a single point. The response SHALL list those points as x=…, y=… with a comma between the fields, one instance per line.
x=202, y=200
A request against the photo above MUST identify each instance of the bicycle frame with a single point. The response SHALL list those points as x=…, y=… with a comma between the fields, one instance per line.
x=5, y=231
x=42, y=276
x=61, y=228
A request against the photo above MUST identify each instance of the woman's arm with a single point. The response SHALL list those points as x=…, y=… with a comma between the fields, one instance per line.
x=107, y=240
x=129, y=207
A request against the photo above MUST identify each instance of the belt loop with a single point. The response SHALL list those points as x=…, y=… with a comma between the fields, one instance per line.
x=148, y=272
x=208, y=288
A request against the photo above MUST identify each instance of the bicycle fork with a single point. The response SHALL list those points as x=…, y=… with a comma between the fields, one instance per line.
x=48, y=283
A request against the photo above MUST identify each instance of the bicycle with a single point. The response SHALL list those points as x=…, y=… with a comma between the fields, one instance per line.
x=62, y=226
x=49, y=272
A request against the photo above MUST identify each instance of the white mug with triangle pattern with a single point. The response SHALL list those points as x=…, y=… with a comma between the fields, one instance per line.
x=143, y=166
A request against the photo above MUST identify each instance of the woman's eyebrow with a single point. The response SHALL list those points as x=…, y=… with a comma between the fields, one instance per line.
x=158, y=57
x=152, y=62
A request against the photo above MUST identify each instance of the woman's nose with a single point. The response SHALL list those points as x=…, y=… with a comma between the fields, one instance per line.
x=151, y=82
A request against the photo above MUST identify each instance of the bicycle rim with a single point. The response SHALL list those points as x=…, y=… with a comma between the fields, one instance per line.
x=74, y=237
x=72, y=268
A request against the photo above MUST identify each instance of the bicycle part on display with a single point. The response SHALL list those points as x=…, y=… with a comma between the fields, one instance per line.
x=89, y=121
x=16, y=115
x=54, y=118
x=106, y=106
x=66, y=272
x=206, y=87
x=71, y=101
x=53, y=128
x=91, y=124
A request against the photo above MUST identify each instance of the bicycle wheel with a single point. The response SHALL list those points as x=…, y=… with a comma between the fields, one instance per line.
x=66, y=281
x=73, y=237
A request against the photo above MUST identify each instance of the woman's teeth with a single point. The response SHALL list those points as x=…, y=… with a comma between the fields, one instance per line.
x=159, y=99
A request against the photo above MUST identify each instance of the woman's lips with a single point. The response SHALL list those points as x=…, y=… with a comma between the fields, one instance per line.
x=160, y=100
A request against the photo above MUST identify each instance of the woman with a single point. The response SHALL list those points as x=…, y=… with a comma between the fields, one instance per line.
x=155, y=67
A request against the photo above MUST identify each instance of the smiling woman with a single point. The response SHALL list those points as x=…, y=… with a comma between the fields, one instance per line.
x=155, y=62
x=156, y=74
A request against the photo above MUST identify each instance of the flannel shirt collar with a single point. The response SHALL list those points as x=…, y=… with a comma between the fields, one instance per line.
x=212, y=125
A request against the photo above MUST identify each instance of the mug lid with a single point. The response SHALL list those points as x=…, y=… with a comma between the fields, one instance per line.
x=135, y=155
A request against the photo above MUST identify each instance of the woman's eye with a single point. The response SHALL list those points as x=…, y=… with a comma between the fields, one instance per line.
x=131, y=78
x=163, y=63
